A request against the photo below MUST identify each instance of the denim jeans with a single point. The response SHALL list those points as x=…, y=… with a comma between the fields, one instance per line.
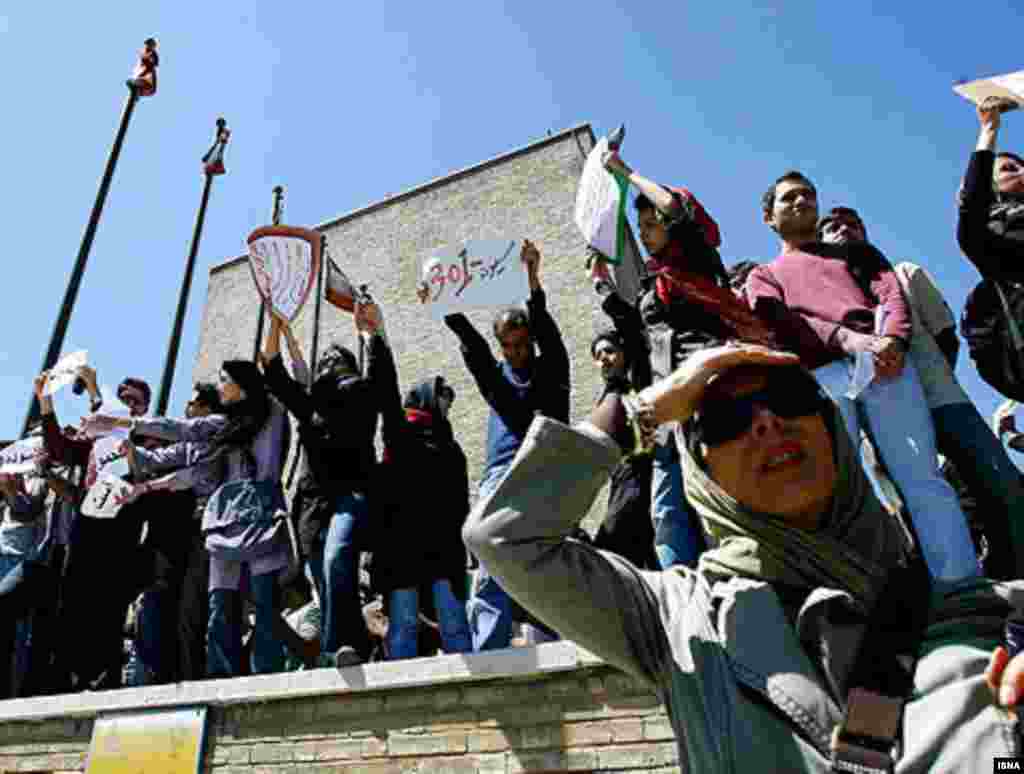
x=224, y=633
x=489, y=610
x=403, y=621
x=678, y=538
x=14, y=631
x=965, y=438
x=901, y=428
x=334, y=566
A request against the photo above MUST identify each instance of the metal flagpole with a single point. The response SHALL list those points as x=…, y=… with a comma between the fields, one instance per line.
x=142, y=84
x=213, y=165
x=275, y=219
x=316, y=311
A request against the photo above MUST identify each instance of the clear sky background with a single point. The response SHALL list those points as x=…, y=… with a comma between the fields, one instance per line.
x=344, y=103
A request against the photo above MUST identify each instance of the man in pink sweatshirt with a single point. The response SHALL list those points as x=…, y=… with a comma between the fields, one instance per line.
x=851, y=298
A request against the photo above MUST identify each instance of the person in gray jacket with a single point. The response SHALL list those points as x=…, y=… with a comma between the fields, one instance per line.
x=755, y=652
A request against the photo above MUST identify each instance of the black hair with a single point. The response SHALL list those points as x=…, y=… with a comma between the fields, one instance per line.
x=510, y=317
x=768, y=197
x=836, y=212
x=246, y=417
x=137, y=384
x=206, y=393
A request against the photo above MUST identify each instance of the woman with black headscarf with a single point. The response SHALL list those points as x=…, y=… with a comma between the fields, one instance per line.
x=337, y=420
x=423, y=502
x=236, y=459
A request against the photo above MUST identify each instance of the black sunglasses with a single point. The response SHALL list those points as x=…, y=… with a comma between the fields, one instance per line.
x=787, y=395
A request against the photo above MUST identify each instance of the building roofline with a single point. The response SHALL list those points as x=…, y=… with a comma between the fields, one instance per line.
x=438, y=182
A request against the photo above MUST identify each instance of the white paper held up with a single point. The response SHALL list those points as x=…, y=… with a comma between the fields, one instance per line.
x=65, y=370
x=1009, y=86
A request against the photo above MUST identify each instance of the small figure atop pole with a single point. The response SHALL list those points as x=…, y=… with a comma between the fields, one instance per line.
x=213, y=161
x=143, y=80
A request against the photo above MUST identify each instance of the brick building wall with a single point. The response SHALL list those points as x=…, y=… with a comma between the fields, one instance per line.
x=553, y=708
x=527, y=193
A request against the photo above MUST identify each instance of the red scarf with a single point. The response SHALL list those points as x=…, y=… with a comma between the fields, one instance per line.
x=414, y=417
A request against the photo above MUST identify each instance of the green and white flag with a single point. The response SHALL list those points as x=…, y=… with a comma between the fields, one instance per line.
x=601, y=206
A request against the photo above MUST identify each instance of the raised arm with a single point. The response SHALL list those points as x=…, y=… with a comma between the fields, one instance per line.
x=291, y=393
x=521, y=533
x=381, y=373
x=59, y=447
x=997, y=256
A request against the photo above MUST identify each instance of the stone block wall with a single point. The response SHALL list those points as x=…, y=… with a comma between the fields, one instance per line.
x=552, y=708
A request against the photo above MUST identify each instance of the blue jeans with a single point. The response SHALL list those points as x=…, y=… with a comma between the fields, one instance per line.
x=403, y=621
x=224, y=633
x=965, y=438
x=15, y=633
x=334, y=566
x=678, y=538
x=490, y=609
x=901, y=428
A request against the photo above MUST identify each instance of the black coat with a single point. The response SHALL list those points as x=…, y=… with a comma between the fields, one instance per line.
x=422, y=497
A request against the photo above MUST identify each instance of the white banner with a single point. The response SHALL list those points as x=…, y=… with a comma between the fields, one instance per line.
x=481, y=274
x=20, y=456
x=63, y=373
x=111, y=465
x=284, y=261
x=600, y=206
x=1009, y=86
x=101, y=500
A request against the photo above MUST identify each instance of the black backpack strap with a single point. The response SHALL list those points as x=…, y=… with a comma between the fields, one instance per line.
x=883, y=674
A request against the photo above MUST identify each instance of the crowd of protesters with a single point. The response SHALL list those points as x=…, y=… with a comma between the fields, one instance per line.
x=794, y=423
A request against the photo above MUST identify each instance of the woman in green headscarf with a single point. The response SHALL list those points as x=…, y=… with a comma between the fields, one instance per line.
x=758, y=653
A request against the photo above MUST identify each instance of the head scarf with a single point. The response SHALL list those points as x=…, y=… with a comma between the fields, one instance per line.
x=853, y=549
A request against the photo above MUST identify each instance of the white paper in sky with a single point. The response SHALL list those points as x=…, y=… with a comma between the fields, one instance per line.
x=63, y=373
x=1009, y=86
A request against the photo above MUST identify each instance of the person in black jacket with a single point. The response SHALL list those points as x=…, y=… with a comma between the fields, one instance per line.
x=990, y=228
x=424, y=550
x=526, y=382
x=337, y=421
x=626, y=529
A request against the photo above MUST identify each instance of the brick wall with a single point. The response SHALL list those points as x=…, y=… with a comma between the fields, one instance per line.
x=529, y=193
x=553, y=708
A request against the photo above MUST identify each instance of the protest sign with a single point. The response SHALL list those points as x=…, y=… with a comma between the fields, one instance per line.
x=100, y=501
x=601, y=206
x=284, y=261
x=65, y=371
x=481, y=274
x=1009, y=87
x=109, y=465
x=20, y=456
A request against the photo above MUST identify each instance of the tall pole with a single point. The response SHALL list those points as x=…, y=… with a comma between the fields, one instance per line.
x=142, y=84
x=213, y=165
x=316, y=311
x=275, y=219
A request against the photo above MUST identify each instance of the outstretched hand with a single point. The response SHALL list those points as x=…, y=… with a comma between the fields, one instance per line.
x=423, y=292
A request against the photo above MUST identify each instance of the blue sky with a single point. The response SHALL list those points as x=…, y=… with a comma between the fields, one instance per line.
x=344, y=103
